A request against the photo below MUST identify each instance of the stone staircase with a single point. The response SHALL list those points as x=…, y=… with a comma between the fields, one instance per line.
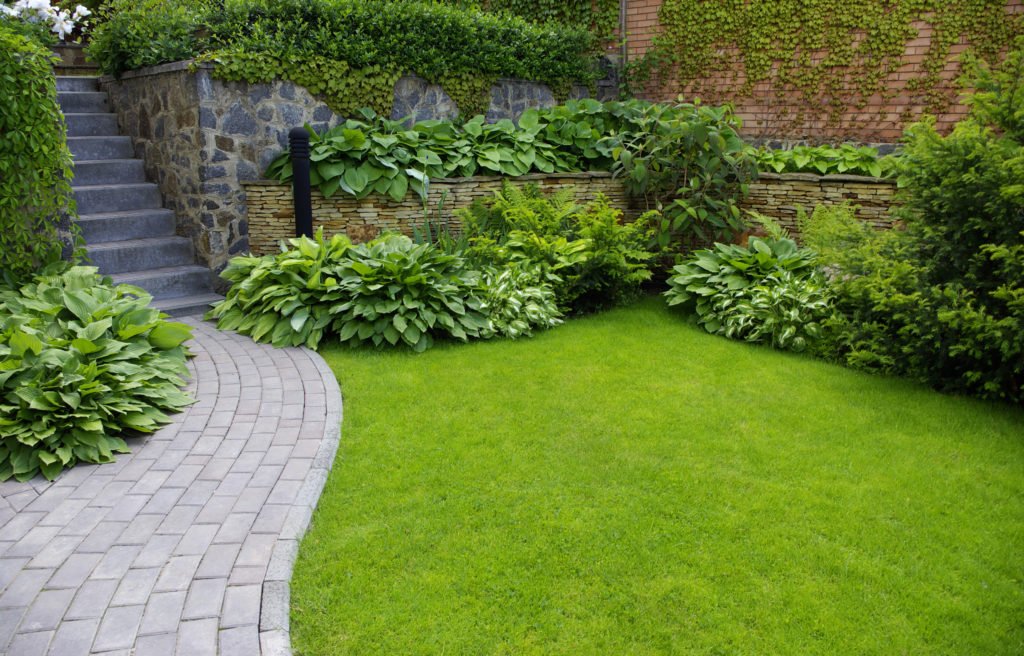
x=128, y=234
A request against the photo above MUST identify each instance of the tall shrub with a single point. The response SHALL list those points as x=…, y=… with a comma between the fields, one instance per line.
x=35, y=164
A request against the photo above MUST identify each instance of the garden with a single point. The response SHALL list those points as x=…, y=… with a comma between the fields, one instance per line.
x=694, y=430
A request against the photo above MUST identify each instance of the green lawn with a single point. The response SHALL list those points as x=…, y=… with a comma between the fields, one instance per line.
x=626, y=484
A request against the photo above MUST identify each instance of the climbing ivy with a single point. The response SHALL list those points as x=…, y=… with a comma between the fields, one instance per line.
x=832, y=55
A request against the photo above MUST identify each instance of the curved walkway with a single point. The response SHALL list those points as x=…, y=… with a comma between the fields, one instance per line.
x=186, y=545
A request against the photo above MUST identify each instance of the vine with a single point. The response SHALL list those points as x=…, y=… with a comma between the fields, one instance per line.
x=830, y=56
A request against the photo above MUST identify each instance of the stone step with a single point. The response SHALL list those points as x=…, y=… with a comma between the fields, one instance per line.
x=132, y=255
x=76, y=102
x=77, y=83
x=91, y=125
x=119, y=226
x=169, y=282
x=185, y=306
x=89, y=172
x=101, y=147
x=100, y=199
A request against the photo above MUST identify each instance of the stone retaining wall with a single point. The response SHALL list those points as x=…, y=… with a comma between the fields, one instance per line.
x=272, y=217
x=778, y=195
x=202, y=137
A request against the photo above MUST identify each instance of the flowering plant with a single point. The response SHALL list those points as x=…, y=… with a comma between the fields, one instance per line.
x=60, y=21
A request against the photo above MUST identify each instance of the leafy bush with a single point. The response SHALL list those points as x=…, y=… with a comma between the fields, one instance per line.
x=517, y=301
x=590, y=258
x=765, y=291
x=285, y=299
x=823, y=160
x=943, y=301
x=35, y=164
x=81, y=361
x=389, y=291
x=348, y=51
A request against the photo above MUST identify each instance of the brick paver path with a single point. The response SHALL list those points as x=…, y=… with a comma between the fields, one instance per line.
x=186, y=545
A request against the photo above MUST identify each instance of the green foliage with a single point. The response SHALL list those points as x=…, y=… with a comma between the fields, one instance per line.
x=349, y=52
x=518, y=301
x=832, y=56
x=690, y=162
x=285, y=299
x=590, y=258
x=943, y=301
x=685, y=159
x=35, y=164
x=600, y=16
x=36, y=31
x=82, y=361
x=823, y=160
x=388, y=291
x=765, y=291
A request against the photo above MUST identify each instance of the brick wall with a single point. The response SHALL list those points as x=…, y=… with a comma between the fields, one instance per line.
x=272, y=218
x=880, y=120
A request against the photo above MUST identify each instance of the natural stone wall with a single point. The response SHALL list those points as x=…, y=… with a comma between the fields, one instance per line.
x=779, y=195
x=202, y=137
x=272, y=217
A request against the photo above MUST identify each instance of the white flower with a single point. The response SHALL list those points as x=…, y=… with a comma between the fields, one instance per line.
x=62, y=25
x=8, y=11
x=81, y=12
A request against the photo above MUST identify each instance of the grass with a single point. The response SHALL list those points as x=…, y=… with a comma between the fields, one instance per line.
x=626, y=484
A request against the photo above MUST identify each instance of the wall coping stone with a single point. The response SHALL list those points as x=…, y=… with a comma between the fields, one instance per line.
x=831, y=177
x=189, y=65
x=575, y=175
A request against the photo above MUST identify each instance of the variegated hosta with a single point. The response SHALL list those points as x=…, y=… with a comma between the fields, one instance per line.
x=518, y=301
x=81, y=362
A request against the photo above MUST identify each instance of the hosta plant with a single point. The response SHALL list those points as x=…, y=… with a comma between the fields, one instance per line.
x=396, y=291
x=784, y=310
x=81, y=362
x=731, y=289
x=285, y=299
x=518, y=301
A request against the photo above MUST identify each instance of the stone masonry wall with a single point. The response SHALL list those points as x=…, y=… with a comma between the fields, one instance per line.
x=272, y=217
x=202, y=137
x=779, y=195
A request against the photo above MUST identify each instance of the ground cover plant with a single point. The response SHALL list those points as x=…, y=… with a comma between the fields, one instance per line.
x=81, y=362
x=350, y=52
x=823, y=160
x=629, y=485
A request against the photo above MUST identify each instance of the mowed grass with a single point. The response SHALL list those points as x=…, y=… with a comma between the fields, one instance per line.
x=626, y=484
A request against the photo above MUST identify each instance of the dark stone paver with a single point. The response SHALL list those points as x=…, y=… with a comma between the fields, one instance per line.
x=186, y=545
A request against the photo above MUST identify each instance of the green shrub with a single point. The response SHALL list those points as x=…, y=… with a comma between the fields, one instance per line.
x=590, y=258
x=82, y=361
x=765, y=291
x=285, y=299
x=36, y=205
x=388, y=291
x=139, y=33
x=824, y=160
x=518, y=301
x=942, y=301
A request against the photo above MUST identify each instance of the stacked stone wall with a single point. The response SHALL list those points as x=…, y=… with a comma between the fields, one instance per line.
x=272, y=217
x=202, y=137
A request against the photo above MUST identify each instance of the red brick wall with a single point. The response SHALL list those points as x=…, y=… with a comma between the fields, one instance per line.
x=880, y=120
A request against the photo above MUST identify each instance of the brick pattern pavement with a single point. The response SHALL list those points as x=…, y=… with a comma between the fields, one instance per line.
x=186, y=545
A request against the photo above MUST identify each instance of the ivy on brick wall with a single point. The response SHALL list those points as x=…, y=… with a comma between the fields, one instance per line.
x=829, y=56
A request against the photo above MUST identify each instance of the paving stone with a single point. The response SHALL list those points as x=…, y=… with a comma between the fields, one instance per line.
x=102, y=537
x=33, y=542
x=235, y=528
x=140, y=530
x=46, y=611
x=84, y=521
x=9, y=620
x=179, y=520
x=9, y=569
x=91, y=600
x=21, y=525
x=178, y=573
x=157, y=551
x=205, y=598
x=256, y=550
x=115, y=562
x=218, y=561
x=198, y=638
x=163, y=612
x=74, y=638
x=30, y=644
x=241, y=605
x=23, y=589
x=118, y=628
x=197, y=540
x=75, y=570
x=239, y=641
x=157, y=645
x=135, y=587
x=127, y=508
